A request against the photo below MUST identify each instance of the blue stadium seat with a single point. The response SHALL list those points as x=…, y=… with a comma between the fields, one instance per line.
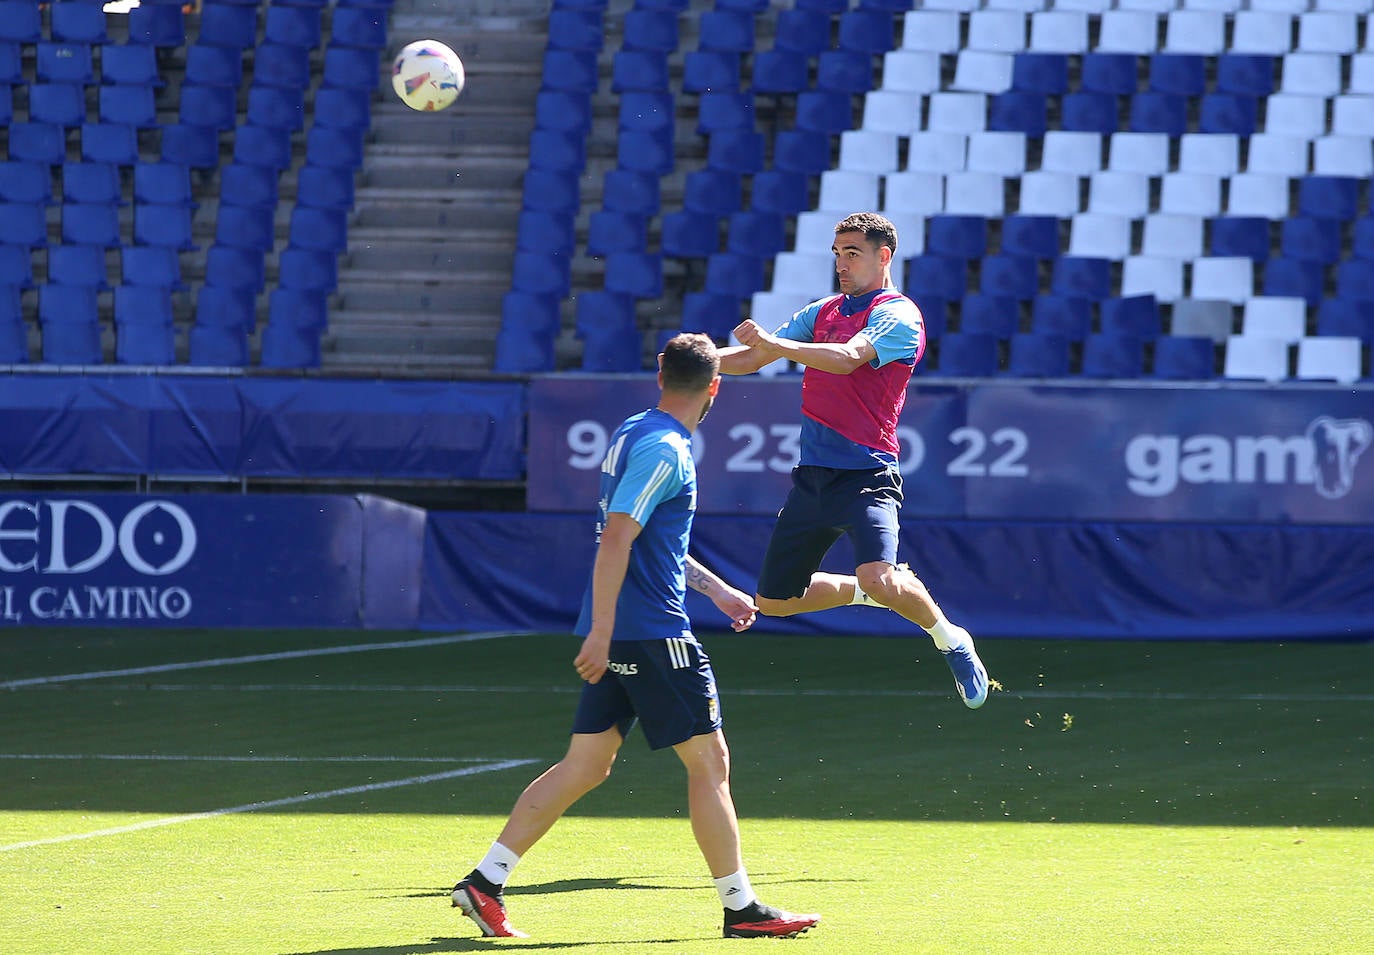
x=691, y=235
x=1355, y=280
x=1113, y=73
x=776, y=190
x=726, y=31
x=529, y=330
x=957, y=236
x=26, y=223
x=549, y=191
x=1064, y=315
x=867, y=31
x=1113, y=355
x=361, y=27
x=93, y=182
x=214, y=106
x=844, y=71
x=16, y=266
x=244, y=185
x=325, y=187
x=6, y=105
x=1182, y=74
x=936, y=275
x=70, y=320
x=1014, y=276
x=129, y=65
x=637, y=70
x=342, y=109
x=570, y=70
x=1294, y=278
x=278, y=65
x=720, y=110
x=747, y=6
x=646, y=150
x=1159, y=113
x=246, y=227
x=1245, y=74
x=934, y=312
x=90, y=224
x=235, y=267
x=756, y=233
x=109, y=142
x=61, y=104
x=605, y=322
x=1031, y=235
x=297, y=308
x=78, y=22
x=218, y=306
x=142, y=305
x=802, y=31
x=1185, y=358
x=552, y=232
x=1362, y=237
x=194, y=146
x=563, y=110
x=576, y=30
x=1311, y=239
x=650, y=30
x=278, y=106
x=293, y=26
x=968, y=355
x=710, y=314
x=984, y=314
x=313, y=270
x=1044, y=73
x=78, y=265
x=1329, y=197
x=130, y=105
x=1019, y=111
x=713, y=191
x=20, y=21
x=1347, y=318
x=350, y=68
x=1136, y=316
x=37, y=142
x=609, y=232
x=150, y=265
x=645, y=111
x=1089, y=113
x=28, y=182
x=547, y=274
x=289, y=346
x=639, y=274
x=827, y=111
x=704, y=70
x=64, y=63
x=11, y=64
x=213, y=66
x=227, y=24
x=1228, y=113
x=1241, y=235
x=314, y=228
x=780, y=71
x=628, y=190
x=14, y=334
x=159, y=25
x=1038, y=355
x=736, y=150
x=336, y=146
x=168, y=226
x=217, y=346
x=734, y=274
x=1082, y=277
x=262, y=146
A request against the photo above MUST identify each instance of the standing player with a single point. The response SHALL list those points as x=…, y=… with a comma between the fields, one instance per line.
x=859, y=349
x=639, y=659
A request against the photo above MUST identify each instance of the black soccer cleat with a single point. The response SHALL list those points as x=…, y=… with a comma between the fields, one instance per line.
x=764, y=921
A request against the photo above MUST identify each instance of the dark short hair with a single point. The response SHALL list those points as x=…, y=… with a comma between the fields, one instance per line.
x=690, y=362
x=876, y=229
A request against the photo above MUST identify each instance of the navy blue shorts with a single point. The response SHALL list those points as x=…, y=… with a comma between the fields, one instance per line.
x=823, y=504
x=667, y=685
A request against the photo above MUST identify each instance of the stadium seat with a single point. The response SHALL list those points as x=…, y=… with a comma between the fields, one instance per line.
x=1274, y=317
x=720, y=110
x=1184, y=358
x=609, y=231
x=756, y=233
x=529, y=329
x=995, y=315
x=294, y=26
x=936, y=275
x=78, y=23
x=235, y=267
x=710, y=314
x=736, y=151
x=289, y=346
x=128, y=105
x=1229, y=278
x=69, y=318
x=548, y=274
x=637, y=70
x=1172, y=235
x=228, y=24
x=37, y=142
x=638, y=274
x=277, y=65
x=350, y=68
x=313, y=270
x=1113, y=73
x=1038, y=355
x=158, y=25
x=26, y=182
x=248, y=227
x=968, y=355
x=342, y=109
x=1202, y=318
x=1346, y=318
x=245, y=185
x=825, y=111
x=1291, y=277
x=1211, y=153
x=704, y=70
x=315, y=228
x=962, y=237
x=686, y=234
x=1159, y=113
x=142, y=305
x=218, y=306
x=90, y=224
x=1013, y=276
x=277, y=106
x=14, y=334
x=1100, y=234
x=1089, y=112
x=573, y=71
x=78, y=265
x=218, y=346
x=1136, y=315
x=778, y=71
x=325, y=187
x=64, y=63
x=655, y=30
x=1113, y=355
x=25, y=223
x=562, y=110
x=262, y=146
x=213, y=66
x=1250, y=357
x=193, y=146
x=20, y=22
x=646, y=151
x=166, y=225
x=163, y=183
x=865, y=31
x=729, y=31
x=1181, y=74
x=342, y=147
x=802, y=31
x=1044, y=73
x=1329, y=359
x=16, y=266
x=626, y=190
x=1241, y=235
x=152, y=265
x=214, y=106
x=1311, y=239
x=1355, y=279
x=1082, y=277
x=1362, y=238
x=779, y=191
x=1068, y=317
x=576, y=30
x=1228, y=113
x=713, y=191
x=734, y=274
x=358, y=26
x=11, y=64
x=129, y=65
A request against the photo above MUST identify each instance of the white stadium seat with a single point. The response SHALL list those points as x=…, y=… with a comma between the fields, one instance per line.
x=1195, y=31
x=1311, y=74
x=863, y=150
x=845, y=191
x=807, y=274
x=1190, y=193
x=1329, y=359
x=1119, y=193
x=1262, y=31
x=1324, y=32
x=891, y=111
x=937, y=152
x=933, y=31
x=1258, y=194
x=1274, y=316
x=815, y=231
x=1352, y=116
x=1151, y=275
x=1361, y=74
x=1343, y=156
x=1066, y=150
x=911, y=232
x=1214, y=153
x=1277, y=154
x=982, y=71
x=975, y=194
x=1046, y=193
x=957, y=112
x=911, y=71
x=1128, y=31
x=1228, y=278
x=1293, y=115
x=1172, y=236
x=998, y=31
x=1252, y=357
x=1146, y=153
x=1003, y=153
x=1059, y=31
x=1100, y=235
x=916, y=193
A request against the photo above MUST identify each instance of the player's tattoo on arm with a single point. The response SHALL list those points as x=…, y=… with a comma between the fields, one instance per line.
x=698, y=578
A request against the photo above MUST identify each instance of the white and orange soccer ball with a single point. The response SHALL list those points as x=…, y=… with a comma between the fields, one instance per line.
x=427, y=75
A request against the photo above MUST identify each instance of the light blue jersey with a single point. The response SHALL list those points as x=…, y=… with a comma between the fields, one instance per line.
x=648, y=473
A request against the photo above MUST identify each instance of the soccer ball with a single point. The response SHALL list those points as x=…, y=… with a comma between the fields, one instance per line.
x=427, y=75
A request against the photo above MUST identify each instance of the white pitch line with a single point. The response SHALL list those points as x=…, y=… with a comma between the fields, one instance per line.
x=253, y=658
x=271, y=804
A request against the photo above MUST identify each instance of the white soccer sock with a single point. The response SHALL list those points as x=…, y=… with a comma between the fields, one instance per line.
x=946, y=635
x=735, y=891
x=864, y=600
x=498, y=864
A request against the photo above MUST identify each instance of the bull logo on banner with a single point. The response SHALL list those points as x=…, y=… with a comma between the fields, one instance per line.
x=1336, y=447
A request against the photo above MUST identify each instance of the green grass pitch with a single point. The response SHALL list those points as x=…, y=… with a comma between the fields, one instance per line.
x=1115, y=797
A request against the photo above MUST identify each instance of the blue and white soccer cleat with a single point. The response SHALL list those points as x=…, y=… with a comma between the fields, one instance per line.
x=970, y=678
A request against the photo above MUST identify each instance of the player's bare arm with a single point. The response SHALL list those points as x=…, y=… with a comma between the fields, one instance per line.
x=734, y=603
x=838, y=358
x=608, y=576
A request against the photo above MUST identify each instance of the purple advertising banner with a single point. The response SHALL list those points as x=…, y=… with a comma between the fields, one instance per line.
x=1008, y=451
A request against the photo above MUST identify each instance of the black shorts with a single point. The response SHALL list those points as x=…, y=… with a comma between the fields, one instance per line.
x=668, y=685
x=823, y=504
